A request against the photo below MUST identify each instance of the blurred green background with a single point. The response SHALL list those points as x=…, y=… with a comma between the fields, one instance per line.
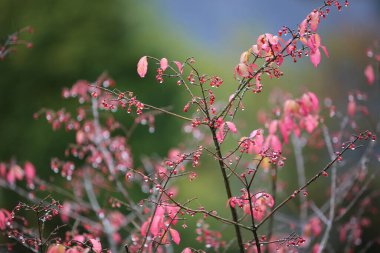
x=81, y=39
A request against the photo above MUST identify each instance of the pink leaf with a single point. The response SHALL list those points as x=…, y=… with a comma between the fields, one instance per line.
x=314, y=20
x=325, y=51
x=186, y=250
x=15, y=173
x=164, y=64
x=302, y=27
x=273, y=127
x=157, y=221
x=4, y=217
x=273, y=142
x=242, y=70
x=232, y=202
x=220, y=135
x=65, y=211
x=285, y=130
x=172, y=211
x=231, y=126
x=244, y=57
x=316, y=248
x=311, y=122
x=351, y=108
x=314, y=42
x=256, y=50
x=315, y=57
x=273, y=40
x=174, y=155
x=179, y=66
x=314, y=101
x=3, y=169
x=258, y=137
x=316, y=226
x=80, y=137
x=30, y=173
x=310, y=102
x=144, y=228
x=80, y=88
x=290, y=107
x=343, y=234
x=369, y=74
x=142, y=66
x=175, y=236
x=258, y=213
x=254, y=133
x=262, y=201
x=96, y=246
x=79, y=238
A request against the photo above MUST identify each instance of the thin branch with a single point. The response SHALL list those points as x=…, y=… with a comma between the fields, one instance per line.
x=330, y=149
x=318, y=212
x=25, y=194
x=211, y=213
x=298, y=145
x=107, y=226
x=357, y=197
x=319, y=174
x=254, y=230
x=145, y=105
x=274, y=195
x=228, y=188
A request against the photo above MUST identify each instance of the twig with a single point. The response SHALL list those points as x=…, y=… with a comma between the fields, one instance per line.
x=228, y=189
x=298, y=145
x=297, y=191
x=107, y=226
x=332, y=191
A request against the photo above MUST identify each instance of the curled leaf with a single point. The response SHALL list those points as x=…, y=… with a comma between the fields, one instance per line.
x=179, y=66
x=231, y=126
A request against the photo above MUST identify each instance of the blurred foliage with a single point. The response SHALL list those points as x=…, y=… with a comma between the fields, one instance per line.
x=72, y=40
x=77, y=39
